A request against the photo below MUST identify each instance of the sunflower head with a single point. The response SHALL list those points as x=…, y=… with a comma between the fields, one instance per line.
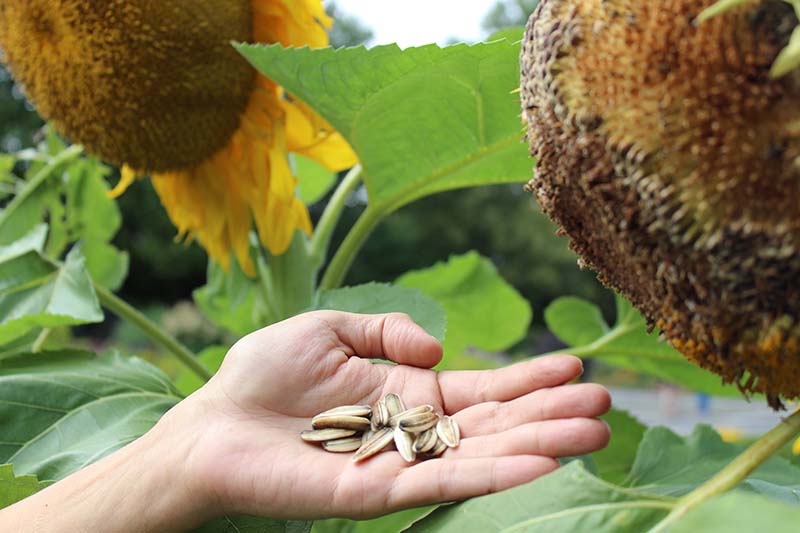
x=672, y=160
x=157, y=88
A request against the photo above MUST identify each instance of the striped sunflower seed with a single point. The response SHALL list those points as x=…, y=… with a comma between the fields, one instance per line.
x=358, y=423
x=437, y=450
x=349, y=444
x=380, y=440
x=448, y=430
x=426, y=441
x=380, y=415
x=394, y=404
x=419, y=422
x=321, y=435
x=346, y=410
x=404, y=442
x=394, y=420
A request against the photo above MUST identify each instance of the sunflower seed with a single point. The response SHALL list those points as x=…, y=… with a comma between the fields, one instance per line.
x=448, y=431
x=394, y=404
x=377, y=443
x=438, y=449
x=357, y=423
x=405, y=444
x=346, y=410
x=320, y=435
x=349, y=444
x=380, y=415
x=394, y=420
x=425, y=441
x=366, y=436
x=419, y=422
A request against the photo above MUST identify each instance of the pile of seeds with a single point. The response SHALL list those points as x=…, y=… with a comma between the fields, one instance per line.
x=368, y=430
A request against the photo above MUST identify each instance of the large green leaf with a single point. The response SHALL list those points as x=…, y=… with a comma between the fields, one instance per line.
x=615, y=461
x=229, y=299
x=739, y=511
x=385, y=298
x=36, y=292
x=483, y=310
x=627, y=344
x=253, y=524
x=398, y=521
x=187, y=381
x=15, y=488
x=313, y=180
x=672, y=465
x=570, y=499
x=421, y=120
x=62, y=411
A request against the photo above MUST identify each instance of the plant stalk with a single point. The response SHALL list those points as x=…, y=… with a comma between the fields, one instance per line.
x=38, y=344
x=341, y=262
x=37, y=180
x=735, y=471
x=125, y=311
x=333, y=211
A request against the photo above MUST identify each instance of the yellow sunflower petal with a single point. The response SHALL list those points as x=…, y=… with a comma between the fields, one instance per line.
x=126, y=178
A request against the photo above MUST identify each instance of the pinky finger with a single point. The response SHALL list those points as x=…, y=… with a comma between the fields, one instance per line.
x=445, y=480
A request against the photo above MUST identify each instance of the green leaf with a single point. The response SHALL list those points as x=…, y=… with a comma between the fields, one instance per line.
x=514, y=34
x=483, y=310
x=671, y=465
x=575, y=321
x=229, y=299
x=35, y=292
x=615, y=461
x=386, y=298
x=64, y=410
x=106, y=264
x=187, y=381
x=422, y=120
x=15, y=488
x=253, y=524
x=789, y=58
x=313, y=180
x=569, y=499
x=33, y=241
x=628, y=345
x=91, y=213
x=398, y=521
x=739, y=511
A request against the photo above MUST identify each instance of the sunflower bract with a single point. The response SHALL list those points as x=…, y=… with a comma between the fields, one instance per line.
x=672, y=161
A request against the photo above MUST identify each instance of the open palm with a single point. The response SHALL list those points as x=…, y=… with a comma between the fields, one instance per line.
x=514, y=421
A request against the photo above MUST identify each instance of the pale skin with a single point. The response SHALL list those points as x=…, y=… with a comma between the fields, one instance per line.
x=233, y=447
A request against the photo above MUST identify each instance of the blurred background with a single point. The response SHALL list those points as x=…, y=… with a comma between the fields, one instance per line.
x=502, y=223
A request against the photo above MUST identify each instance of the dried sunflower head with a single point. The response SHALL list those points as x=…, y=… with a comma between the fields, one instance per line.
x=671, y=159
x=157, y=88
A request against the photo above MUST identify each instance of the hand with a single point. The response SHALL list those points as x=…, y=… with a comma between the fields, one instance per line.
x=242, y=428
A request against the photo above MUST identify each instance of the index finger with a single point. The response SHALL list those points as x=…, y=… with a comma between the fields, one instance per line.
x=461, y=389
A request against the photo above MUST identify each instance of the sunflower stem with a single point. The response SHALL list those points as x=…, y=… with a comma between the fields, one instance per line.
x=37, y=180
x=341, y=262
x=735, y=471
x=124, y=310
x=330, y=217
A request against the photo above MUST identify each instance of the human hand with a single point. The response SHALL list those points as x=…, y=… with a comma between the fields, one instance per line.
x=245, y=455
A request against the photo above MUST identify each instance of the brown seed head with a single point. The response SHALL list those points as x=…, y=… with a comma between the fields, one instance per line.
x=672, y=161
x=155, y=85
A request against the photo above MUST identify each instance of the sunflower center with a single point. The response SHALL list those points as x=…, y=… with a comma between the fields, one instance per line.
x=155, y=85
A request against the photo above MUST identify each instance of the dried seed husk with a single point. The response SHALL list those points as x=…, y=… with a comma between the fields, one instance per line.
x=367, y=435
x=419, y=422
x=349, y=444
x=394, y=420
x=346, y=410
x=357, y=423
x=426, y=441
x=321, y=435
x=438, y=450
x=404, y=442
x=380, y=415
x=394, y=404
x=379, y=441
x=448, y=430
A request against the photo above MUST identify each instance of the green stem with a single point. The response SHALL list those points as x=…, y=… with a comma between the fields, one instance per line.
x=124, y=310
x=340, y=264
x=38, y=344
x=37, y=180
x=266, y=287
x=735, y=471
x=333, y=211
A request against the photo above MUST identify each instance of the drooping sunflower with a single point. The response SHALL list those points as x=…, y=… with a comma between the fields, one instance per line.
x=156, y=88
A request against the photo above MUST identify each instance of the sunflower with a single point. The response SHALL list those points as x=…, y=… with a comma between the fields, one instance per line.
x=156, y=88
